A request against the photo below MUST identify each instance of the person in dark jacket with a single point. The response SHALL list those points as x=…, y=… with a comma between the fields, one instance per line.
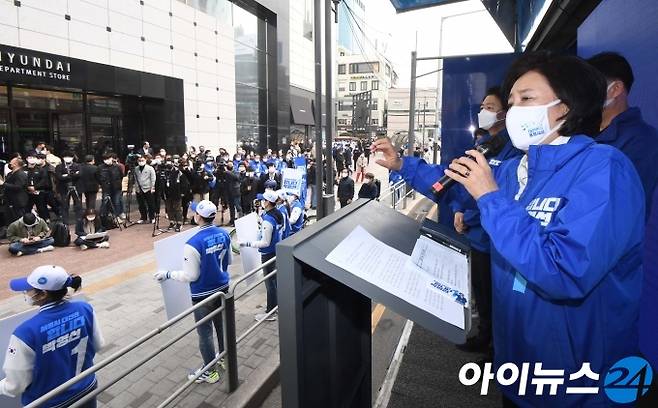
x=233, y=198
x=248, y=188
x=88, y=182
x=271, y=174
x=67, y=174
x=186, y=194
x=110, y=180
x=368, y=188
x=90, y=224
x=310, y=180
x=175, y=183
x=15, y=189
x=38, y=185
x=345, y=188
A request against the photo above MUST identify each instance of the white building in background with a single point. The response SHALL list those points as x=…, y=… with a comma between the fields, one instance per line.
x=424, y=119
x=357, y=74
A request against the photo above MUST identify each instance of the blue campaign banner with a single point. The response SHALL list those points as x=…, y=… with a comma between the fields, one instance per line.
x=300, y=163
x=465, y=82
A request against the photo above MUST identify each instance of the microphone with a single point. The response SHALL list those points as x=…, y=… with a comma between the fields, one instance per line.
x=489, y=149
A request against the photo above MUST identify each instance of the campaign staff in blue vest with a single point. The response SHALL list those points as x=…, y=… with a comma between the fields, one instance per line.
x=55, y=345
x=271, y=232
x=206, y=257
x=566, y=223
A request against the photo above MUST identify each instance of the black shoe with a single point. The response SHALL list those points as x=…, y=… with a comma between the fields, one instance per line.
x=177, y=228
x=475, y=344
x=171, y=226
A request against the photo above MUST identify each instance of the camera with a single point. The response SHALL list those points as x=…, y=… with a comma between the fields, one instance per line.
x=131, y=158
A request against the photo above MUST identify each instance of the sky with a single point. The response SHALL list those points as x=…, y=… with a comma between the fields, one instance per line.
x=474, y=32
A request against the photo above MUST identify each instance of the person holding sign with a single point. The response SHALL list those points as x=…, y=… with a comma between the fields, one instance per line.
x=206, y=257
x=55, y=345
x=271, y=230
x=296, y=213
x=566, y=222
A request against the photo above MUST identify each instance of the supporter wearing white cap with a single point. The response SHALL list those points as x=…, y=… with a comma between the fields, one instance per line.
x=271, y=229
x=206, y=257
x=55, y=345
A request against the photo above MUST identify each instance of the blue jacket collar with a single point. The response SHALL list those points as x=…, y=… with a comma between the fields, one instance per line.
x=611, y=133
x=553, y=157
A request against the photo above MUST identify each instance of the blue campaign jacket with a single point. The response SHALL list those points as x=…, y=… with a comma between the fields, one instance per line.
x=638, y=140
x=277, y=231
x=212, y=243
x=566, y=262
x=62, y=338
x=287, y=230
x=463, y=202
x=297, y=226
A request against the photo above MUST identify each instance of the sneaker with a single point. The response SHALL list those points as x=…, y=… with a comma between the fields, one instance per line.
x=122, y=216
x=177, y=228
x=104, y=245
x=171, y=226
x=46, y=249
x=19, y=253
x=209, y=376
x=221, y=365
x=153, y=221
x=141, y=221
x=83, y=247
x=261, y=316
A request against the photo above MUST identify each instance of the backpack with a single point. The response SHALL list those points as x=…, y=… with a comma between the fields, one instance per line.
x=60, y=234
x=108, y=222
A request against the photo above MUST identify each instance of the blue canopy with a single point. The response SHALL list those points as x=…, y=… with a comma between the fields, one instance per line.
x=513, y=17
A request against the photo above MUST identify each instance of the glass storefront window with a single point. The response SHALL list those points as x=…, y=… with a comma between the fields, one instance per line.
x=32, y=127
x=3, y=96
x=247, y=107
x=69, y=132
x=4, y=133
x=103, y=104
x=245, y=27
x=42, y=99
x=249, y=64
x=249, y=136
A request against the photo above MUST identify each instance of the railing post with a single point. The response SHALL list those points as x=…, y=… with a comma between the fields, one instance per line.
x=395, y=190
x=404, y=197
x=231, y=344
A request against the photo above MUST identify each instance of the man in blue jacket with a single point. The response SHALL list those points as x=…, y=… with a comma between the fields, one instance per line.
x=206, y=257
x=624, y=128
x=467, y=219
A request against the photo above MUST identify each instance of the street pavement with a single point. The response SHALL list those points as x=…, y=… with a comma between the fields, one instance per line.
x=118, y=282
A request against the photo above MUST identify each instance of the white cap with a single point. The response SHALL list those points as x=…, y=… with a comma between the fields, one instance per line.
x=282, y=194
x=46, y=277
x=204, y=208
x=268, y=195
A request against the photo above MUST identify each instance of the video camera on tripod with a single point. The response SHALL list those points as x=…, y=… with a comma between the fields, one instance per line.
x=131, y=158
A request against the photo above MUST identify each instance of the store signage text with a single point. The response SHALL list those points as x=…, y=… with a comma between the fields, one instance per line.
x=21, y=64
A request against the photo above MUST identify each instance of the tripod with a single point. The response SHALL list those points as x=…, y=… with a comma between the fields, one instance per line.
x=107, y=209
x=131, y=182
x=156, y=225
x=71, y=193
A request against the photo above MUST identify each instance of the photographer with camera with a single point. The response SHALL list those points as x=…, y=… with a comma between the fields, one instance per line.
x=248, y=187
x=145, y=180
x=67, y=174
x=175, y=185
x=233, y=198
x=110, y=177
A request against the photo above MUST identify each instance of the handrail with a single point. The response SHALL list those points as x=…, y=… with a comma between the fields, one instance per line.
x=247, y=275
x=119, y=353
x=392, y=189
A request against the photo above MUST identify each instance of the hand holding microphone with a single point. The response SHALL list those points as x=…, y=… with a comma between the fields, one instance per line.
x=473, y=173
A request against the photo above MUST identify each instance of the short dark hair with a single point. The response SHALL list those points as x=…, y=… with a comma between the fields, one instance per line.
x=89, y=158
x=575, y=82
x=496, y=91
x=614, y=67
x=107, y=155
x=68, y=154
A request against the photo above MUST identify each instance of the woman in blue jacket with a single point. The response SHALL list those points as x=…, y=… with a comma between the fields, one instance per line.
x=55, y=345
x=566, y=223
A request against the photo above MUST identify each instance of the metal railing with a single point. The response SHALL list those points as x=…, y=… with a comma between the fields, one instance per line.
x=398, y=195
x=227, y=308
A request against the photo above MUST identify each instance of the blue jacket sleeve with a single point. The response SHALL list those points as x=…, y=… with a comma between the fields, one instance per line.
x=585, y=239
x=421, y=175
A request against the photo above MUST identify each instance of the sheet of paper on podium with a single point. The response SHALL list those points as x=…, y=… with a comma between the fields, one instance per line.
x=401, y=275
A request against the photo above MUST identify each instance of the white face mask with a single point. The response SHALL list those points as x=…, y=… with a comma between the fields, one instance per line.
x=529, y=125
x=367, y=181
x=271, y=170
x=344, y=175
x=142, y=163
x=108, y=162
x=31, y=160
x=486, y=119
x=608, y=101
x=68, y=160
x=28, y=299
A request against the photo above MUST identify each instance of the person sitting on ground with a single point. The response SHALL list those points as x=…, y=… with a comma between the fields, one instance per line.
x=87, y=225
x=368, y=188
x=29, y=235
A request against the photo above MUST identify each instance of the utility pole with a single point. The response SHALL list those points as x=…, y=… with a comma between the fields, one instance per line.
x=319, y=168
x=411, y=140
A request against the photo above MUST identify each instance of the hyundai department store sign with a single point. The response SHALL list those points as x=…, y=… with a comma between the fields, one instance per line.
x=32, y=65
x=23, y=66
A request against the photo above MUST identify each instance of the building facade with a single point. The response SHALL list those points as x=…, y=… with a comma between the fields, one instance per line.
x=425, y=123
x=356, y=75
x=349, y=37
x=94, y=75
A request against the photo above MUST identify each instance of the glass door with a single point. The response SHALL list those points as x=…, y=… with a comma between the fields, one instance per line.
x=68, y=132
x=31, y=127
x=104, y=136
x=4, y=133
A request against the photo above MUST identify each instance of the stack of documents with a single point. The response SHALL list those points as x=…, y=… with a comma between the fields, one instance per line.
x=434, y=278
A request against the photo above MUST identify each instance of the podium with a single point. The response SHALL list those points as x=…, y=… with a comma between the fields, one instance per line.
x=325, y=311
